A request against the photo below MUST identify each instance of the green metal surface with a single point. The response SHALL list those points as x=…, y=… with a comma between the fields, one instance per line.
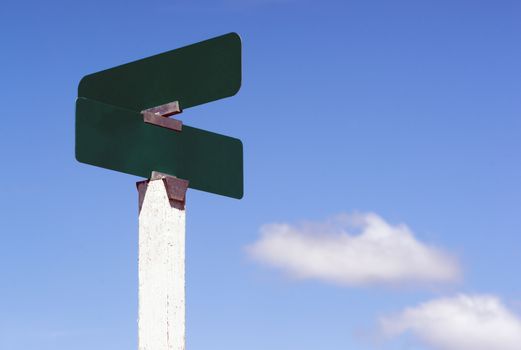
x=193, y=75
x=116, y=138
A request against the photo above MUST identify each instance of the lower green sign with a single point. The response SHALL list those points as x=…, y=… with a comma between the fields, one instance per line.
x=116, y=138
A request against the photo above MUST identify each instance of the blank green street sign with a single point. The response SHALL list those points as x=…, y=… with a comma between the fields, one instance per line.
x=111, y=132
x=193, y=75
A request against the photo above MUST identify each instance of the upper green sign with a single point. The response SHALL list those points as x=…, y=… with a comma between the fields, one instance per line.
x=118, y=128
x=193, y=75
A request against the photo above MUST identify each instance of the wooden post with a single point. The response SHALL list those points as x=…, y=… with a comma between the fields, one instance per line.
x=161, y=267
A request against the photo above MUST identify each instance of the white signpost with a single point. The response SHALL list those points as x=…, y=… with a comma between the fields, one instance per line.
x=162, y=263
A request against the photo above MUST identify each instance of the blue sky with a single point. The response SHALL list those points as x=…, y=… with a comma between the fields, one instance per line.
x=405, y=109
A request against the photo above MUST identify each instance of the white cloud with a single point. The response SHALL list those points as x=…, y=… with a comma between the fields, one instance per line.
x=353, y=250
x=460, y=323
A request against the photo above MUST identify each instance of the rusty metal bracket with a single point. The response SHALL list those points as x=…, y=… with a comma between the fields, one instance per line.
x=160, y=116
x=175, y=189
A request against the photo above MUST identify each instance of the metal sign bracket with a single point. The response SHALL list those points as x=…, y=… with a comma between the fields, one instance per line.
x=175, y=189
x=160, y=116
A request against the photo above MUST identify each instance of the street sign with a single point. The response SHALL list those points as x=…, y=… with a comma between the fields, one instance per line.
x=113, y=130
x=123, y=123
x=193, y=75
x=118, y=139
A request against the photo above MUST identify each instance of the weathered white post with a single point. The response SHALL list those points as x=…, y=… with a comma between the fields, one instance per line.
x=162, y=263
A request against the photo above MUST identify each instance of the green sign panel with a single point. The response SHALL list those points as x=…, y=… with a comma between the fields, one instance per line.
x=118, y=139
x=111, y=131
x=193, y=75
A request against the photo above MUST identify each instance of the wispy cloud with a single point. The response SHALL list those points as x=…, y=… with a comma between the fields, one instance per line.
x=463, y=322
x=353, y=250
